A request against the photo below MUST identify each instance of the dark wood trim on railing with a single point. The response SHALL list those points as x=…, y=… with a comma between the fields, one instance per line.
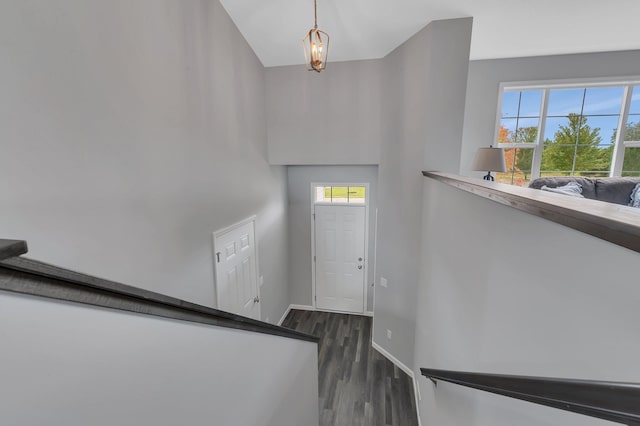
x=31, y=277
x=614, y=401
x=611, y=222
x=12, y=248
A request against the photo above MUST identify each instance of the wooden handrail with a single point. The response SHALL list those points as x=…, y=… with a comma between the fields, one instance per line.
x=614, y=401
x=31, y=277
x=12, y=248
x=611, y=222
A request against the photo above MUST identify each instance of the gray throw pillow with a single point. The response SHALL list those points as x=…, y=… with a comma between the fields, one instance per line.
x=573, y=189
x=635, y=197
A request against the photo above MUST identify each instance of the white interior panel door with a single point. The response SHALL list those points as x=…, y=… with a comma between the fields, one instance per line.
x=339, y=240
x=236, y=273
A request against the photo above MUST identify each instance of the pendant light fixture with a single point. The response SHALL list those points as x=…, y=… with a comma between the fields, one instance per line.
x=316, y=45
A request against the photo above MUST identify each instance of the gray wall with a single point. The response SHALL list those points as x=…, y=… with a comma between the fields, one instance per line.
x=300, y=179
x=130, y=131
x=480, y=295
x=424, y=102
x=65, y=364
x=409, y=105
x=506, y=292
x=486, y=76
x=328, y=118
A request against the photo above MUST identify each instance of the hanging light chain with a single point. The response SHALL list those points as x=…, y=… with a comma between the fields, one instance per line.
x=315, y=13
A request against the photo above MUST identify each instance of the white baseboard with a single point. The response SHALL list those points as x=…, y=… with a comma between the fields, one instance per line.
x=286, y=312
x=416, y=395
x=298, y=307
x=302, y=307
x=392, y=358
x=404, y=368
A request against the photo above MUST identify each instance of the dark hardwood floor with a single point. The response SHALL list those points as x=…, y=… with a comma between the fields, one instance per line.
x=358, y=386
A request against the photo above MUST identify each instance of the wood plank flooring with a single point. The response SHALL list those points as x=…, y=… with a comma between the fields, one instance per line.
x=357, y=385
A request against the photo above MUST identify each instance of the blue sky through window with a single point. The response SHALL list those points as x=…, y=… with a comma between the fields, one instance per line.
x=600, y=105
x=635, y=101
x=603, y=100
x=597, y=101
x=553, y=125
x=562, y=102
x=607, y=125
x=523, y=104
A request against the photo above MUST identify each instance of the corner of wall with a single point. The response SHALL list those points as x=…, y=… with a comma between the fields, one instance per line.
x=425, y=87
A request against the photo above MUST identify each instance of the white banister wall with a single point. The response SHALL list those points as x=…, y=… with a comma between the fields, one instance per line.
x=72, y=365
x=503, y=291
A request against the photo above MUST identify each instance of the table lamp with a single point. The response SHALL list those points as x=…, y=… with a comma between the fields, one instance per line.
x=490, y=160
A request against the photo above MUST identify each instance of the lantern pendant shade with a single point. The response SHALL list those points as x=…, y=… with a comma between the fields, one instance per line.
x=316, y=45
x=316, y=49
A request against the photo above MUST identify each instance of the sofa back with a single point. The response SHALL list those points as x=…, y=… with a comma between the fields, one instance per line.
x=611, y=190
x=588, y=184
x=615, y=190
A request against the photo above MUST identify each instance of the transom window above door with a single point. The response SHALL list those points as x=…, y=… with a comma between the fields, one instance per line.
x=340, y=194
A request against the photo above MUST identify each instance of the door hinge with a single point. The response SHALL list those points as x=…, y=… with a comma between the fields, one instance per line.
x=314, y=216
x=314, y=258
x=218, y=256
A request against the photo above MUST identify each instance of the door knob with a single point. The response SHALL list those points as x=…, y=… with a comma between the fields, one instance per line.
x=359, y=266
x=359, y=259
x=256, y=299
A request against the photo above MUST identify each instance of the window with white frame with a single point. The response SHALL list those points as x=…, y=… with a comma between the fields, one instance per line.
x=569, y=130
x=340, y=194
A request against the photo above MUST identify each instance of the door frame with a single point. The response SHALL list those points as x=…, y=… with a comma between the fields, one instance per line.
x=250, y=220
x=365, y=281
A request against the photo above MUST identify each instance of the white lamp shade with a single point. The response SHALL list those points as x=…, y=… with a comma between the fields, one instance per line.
x=489, y=160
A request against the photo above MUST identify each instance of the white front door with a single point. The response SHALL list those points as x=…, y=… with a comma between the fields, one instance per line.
x=339, y=240
x=236, y=277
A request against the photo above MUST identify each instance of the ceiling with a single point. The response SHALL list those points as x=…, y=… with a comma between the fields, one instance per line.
x=367, y=29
